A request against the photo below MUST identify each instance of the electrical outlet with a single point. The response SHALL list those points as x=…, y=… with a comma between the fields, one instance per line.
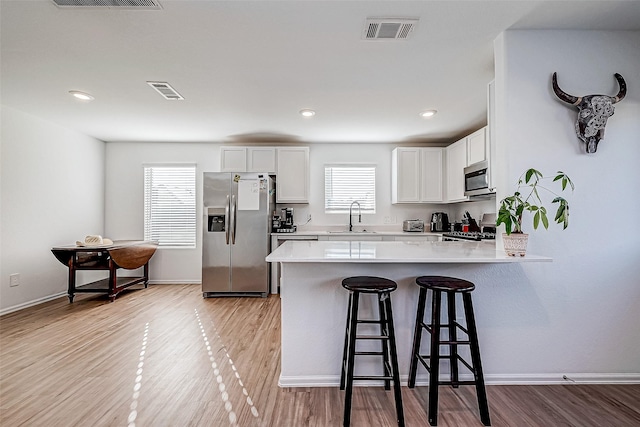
x=389, y=219
x=14, y=279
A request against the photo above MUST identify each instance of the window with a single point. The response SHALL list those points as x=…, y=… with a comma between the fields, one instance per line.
x=345, y=184
x=170, y=205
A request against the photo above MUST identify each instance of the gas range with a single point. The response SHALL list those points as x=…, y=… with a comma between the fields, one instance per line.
x=468, y=235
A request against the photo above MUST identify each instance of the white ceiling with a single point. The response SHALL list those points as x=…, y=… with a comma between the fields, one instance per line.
x=246, y=68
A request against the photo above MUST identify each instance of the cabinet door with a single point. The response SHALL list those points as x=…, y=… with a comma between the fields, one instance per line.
x=431, y=175
x=476, y=147
x=292, y=182
x=417, y=238
x=405, y=175
x=261, y=159
x=456, y=162
x=233, y=159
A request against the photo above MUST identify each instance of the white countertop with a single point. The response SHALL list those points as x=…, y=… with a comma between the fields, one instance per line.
x=301, y=251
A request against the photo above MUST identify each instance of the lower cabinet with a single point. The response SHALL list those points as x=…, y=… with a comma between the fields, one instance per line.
x=277, y=240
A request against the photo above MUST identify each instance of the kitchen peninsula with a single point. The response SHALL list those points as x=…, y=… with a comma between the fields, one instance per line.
x=314, y=303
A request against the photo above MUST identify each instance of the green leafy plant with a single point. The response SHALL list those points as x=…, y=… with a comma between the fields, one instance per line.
x=527, y=198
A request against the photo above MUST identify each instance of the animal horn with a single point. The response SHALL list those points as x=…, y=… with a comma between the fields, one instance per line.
x=623, y=88
x=569, y=99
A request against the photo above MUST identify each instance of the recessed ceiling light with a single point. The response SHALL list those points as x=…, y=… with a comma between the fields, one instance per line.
x=307, y=113
x=81, y=95
x=428, y=113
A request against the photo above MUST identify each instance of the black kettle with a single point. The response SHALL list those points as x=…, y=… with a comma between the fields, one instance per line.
x=439, y=221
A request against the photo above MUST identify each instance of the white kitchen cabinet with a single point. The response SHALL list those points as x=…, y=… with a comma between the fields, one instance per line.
x=292, y=175
x=248, y=159
x=456, y=155
x=352, y=238
x=405, y=175
x=417, y=237
x=467, y=151
x=477, y=147
x=431, y=175
x=416, y=175
x=276, y=240
x=261, y=159
x=233, y=159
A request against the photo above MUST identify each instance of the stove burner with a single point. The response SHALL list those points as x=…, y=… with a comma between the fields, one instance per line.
x=467, y=235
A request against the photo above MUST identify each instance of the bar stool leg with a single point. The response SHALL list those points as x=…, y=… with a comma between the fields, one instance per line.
x=453, y=337
x=475, y=358
x=417, y=337
x=394, y=360
x=384, y=331
x=434, y=358
x=351, y=357
x=345, y=351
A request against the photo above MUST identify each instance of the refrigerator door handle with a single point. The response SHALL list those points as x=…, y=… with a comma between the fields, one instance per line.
x=234, y=210
x=226, y=220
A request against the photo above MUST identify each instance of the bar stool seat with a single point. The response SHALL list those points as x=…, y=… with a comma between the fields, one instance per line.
x=451, y=286
x=382, y=288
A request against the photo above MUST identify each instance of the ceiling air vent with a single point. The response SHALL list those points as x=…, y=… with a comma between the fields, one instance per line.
x=166, y=91
x=124, y=4
x=388, y=28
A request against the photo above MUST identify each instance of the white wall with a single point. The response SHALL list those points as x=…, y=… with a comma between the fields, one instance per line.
x=580, y=314
x=124, y=198
x=52, y=194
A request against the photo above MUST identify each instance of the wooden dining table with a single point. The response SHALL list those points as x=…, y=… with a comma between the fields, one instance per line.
x=122, y=254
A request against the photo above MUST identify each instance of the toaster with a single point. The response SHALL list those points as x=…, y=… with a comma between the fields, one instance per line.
x=415, y=225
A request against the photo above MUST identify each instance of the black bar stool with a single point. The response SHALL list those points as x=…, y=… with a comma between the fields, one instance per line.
x=382, y=288
x=452, y=286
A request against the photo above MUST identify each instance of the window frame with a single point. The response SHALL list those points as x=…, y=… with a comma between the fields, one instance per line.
x=191, y=231
x=367, y=208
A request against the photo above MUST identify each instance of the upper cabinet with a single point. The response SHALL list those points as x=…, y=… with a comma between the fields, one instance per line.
x=292, y=175
x=233, y=159
x=261, y=159
x=456, y=155
x=467, y=151
x=289, y=164
x=431, y=175
x=477, y=147
x=248, y=159
x=416, y=175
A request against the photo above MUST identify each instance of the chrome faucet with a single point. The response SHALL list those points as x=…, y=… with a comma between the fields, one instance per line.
x=350, y=214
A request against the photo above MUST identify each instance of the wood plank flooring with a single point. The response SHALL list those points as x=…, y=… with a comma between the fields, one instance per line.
x=164, y=356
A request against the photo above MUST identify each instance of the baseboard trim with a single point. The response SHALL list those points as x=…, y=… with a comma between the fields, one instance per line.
x=175, y=282
x=492, y=379
x=31, y=303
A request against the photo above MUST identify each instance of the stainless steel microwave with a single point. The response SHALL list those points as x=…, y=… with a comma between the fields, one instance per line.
x=476, y=180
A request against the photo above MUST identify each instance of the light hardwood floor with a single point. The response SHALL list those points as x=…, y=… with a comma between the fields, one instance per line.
x=164, y=356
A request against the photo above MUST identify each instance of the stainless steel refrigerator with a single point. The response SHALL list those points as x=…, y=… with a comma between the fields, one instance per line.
x=236, y=228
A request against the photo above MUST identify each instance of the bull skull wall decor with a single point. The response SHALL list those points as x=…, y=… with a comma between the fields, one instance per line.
x=593, y=112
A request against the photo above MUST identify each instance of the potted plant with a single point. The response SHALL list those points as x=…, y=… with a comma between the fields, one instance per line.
x=527, y=198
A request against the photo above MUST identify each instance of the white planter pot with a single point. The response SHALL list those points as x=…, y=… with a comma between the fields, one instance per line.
x=515, y=244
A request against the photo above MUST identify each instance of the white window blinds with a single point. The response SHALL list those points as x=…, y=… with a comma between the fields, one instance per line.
x=345, y=184
x=170, y=205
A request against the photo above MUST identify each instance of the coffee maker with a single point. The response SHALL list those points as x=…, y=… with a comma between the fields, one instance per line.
x=439, y=222
x=284, y=222
x=287, y=218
